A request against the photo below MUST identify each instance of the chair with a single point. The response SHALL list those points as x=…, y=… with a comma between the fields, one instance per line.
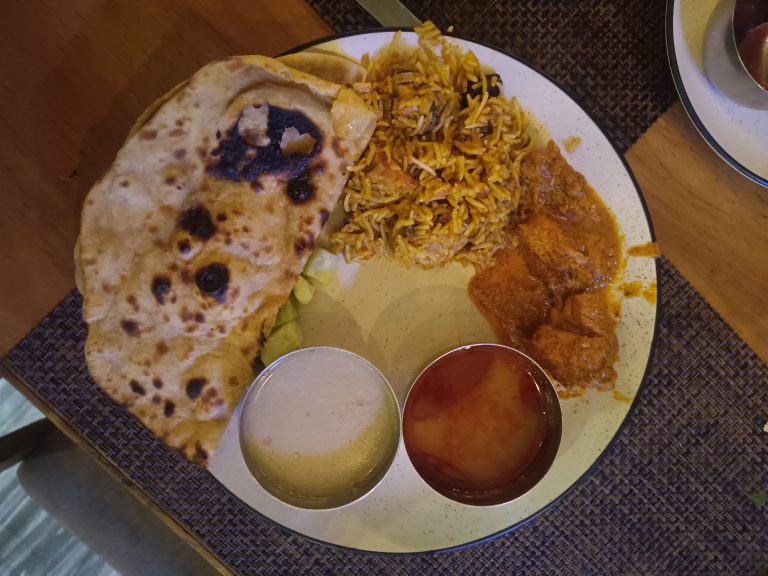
x=93, y=505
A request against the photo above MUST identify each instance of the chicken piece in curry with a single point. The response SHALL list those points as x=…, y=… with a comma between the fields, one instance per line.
x=547, y=292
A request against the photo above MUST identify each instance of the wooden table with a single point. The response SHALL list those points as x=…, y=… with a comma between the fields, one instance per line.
x=76, y=74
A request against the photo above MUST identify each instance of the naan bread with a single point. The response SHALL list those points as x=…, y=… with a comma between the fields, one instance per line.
x=196, y=235
x=331, y=67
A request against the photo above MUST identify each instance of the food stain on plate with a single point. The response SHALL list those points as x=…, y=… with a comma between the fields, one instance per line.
x=648, y=249
x=622, y=397
x=635, y=288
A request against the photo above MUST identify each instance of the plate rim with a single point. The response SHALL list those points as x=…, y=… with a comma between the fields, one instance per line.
x=690, y=111
x=654, y=337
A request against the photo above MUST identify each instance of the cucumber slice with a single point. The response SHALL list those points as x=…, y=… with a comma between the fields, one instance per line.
x=322, y=266
x=303, y=290
x=283, y=339
x=288, y=312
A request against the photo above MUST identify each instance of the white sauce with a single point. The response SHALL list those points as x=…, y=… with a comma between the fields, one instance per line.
x=322, y=424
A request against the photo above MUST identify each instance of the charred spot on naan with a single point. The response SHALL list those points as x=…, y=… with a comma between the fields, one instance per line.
x=130, y=327
x=187, y=276
x=303, y=244
x=194, y=387
x=337, y=146
x=270, y=140
x=185, y=315
x=160, y=287
x=300, y=188
x=131, y=300
x=213, y=280
x=197, y=221
x=137, y=388
x=201, y=456
x=148, y=134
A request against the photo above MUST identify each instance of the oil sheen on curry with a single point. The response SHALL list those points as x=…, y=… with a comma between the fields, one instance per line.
x=547, y=292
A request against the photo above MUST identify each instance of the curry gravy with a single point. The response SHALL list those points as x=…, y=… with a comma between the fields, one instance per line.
x=548, y=292
x=473, y=422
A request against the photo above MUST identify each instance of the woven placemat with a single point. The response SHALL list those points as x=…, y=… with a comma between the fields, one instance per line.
x=678, y=492
x=609, y=55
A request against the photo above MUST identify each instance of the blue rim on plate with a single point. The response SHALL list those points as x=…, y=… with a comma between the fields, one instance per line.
x=654, y=338
x=688, y=105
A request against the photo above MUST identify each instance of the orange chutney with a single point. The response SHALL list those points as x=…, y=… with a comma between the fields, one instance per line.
x=473, y=422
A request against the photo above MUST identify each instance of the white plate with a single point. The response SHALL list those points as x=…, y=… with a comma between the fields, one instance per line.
x=402, y=319
x=727, y=108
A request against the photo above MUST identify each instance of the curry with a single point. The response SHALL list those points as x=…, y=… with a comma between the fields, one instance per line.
x=547, y=292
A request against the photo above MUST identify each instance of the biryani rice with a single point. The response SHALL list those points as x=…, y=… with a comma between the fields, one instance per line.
x=440, y=178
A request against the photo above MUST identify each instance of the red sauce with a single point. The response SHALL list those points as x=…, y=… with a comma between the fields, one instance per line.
x=473, y=423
